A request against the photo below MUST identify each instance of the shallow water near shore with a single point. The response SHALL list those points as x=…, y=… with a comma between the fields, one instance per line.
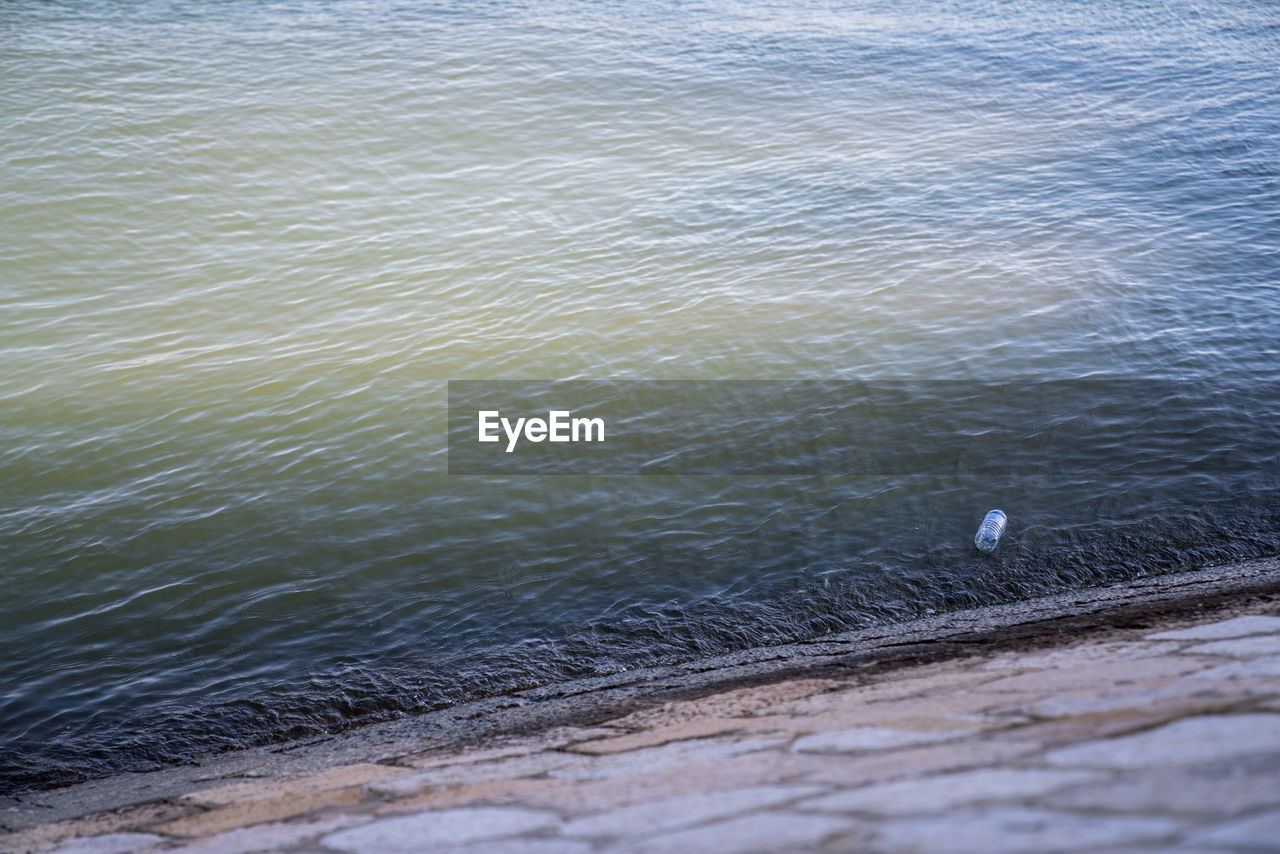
x=246, y=245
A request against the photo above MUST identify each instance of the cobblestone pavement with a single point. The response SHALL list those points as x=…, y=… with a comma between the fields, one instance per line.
x=1162, y=739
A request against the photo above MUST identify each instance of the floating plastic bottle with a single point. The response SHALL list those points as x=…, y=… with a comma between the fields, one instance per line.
x=989, y=531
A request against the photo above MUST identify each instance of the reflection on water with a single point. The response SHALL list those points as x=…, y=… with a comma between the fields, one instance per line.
x=245, y=245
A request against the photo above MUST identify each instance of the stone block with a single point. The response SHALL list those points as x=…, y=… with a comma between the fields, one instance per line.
x=1209, y=738
x=932, y=682
x=862, y=738
x=674, y=731
x=859, y=770
x=510, y=768
x=1236, y=627
x=424, y=831
x=43, y=836
x=1057, y=732
x=1255, y=833
x=490, y=754
x=523, y=792
x=1175, y=697
x=1239, y=647
x=110, y=843
x=1212, y=791
x=675, y=813
x=948, y=709
x=268, y=837
x=518, y=845
x=942, y=792
x=341, y=777
x=697, y=776
x=1010, y=830
x=1097, y=676
x=546, y=741
x=663, y=756
x=762, y=832
x=1265, y=667
x=738, y=703
x=248, y=813
x=1074, y=656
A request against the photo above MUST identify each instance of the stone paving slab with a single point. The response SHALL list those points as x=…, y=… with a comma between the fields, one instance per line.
x=1067, y=725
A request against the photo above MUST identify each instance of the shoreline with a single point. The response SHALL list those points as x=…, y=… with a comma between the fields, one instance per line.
x=541, y=716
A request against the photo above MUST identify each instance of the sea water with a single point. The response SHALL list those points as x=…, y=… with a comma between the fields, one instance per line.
x=244, y=246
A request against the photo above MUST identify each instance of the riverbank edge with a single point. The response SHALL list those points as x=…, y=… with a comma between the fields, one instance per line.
x=1121, y=610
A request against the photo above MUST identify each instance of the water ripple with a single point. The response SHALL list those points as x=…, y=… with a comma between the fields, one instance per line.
x=245, y=245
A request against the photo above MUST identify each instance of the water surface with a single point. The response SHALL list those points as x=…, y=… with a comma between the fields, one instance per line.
x=244, y=245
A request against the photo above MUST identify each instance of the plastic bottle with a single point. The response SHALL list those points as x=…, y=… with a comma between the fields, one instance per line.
x=989, y=531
